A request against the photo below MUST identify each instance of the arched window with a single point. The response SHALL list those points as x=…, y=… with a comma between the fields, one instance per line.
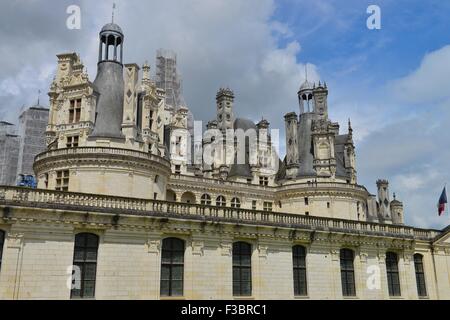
x=85, y=266
x=392, y=274
x=347, y=273
x=2, y=241
x=221, y=201
x=235, y=203
x=242, y=269
x=172, y=267
x=299, y=261
x=420, y=275
x=206, y=199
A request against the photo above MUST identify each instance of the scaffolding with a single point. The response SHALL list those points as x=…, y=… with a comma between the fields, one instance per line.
x=168, y=78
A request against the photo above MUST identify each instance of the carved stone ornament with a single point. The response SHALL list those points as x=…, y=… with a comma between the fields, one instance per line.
x=15, y=240
x=262, y=249
x=153, y=246
x=197, y=248
x=226, y=249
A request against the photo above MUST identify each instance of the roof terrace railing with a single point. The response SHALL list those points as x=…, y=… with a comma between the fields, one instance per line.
x=24, y=197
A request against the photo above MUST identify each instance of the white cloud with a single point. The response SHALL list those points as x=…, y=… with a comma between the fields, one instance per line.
x=430, y=82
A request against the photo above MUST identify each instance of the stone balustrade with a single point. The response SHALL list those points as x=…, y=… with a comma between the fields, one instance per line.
x=24, y=197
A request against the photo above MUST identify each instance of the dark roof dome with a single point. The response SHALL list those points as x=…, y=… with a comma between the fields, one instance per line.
x=112, y=27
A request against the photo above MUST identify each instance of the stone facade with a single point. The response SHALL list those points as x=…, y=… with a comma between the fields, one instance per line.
x=122, y=169
x=39, y=245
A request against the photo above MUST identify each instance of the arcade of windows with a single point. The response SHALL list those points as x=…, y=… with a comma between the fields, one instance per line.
x=172, y=269
x=221, y=201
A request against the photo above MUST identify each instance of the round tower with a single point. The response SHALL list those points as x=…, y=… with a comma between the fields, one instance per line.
x=106, y=163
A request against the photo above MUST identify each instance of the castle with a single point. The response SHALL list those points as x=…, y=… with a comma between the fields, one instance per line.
x=133, y=204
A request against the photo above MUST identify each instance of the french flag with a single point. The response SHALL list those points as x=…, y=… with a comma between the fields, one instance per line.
x=442, y=202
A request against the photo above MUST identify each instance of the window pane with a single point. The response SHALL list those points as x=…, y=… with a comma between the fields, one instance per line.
x=166, y=256
x=165, y=287
x=89, y=271
x=177, y=287
x=165, y=272
x=177, y=273
x=178, y=257
x=88, y=289
x=246, y=288
x=246, y=274
x=91, y=255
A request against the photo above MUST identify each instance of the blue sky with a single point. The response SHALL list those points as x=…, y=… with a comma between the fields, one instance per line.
x=393, y=83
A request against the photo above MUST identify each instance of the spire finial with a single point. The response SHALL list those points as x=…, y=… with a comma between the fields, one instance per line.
x=350, y=131
x=113, y=8
x=306, y=72
x=39, y=97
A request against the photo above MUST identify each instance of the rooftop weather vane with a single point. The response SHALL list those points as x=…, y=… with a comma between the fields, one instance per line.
x=113, y=8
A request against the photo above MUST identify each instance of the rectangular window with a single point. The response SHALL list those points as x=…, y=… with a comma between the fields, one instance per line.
x=263, y=181
x=72, y=142
x=75, y=111
x=347, y=273
x=306, y=201
x=172, y=267
x=242, y=269
x=420, y=275
x=62, y=180
x=254, y=204
x=177, y=169
x=84, y=266
x=392, y=274
x=267, y=206
x=299, y=264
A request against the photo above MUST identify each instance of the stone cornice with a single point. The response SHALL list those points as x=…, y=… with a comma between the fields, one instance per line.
x=100, y=156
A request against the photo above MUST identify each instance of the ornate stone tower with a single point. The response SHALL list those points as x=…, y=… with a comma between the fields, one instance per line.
x=225, y=115
x=397, y=211
x=320, y=95
x=292, y=156
x=349, y=155
x=383, y=200
x=110, y=84
x=110, y=161
x=323, y=137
